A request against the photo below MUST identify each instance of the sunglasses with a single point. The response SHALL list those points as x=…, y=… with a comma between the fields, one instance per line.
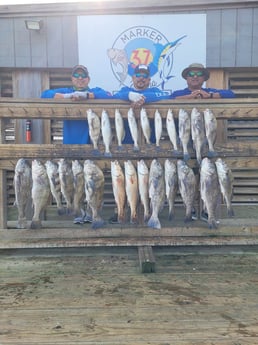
x=142, y=75
x=80, y=75
x=197, y=74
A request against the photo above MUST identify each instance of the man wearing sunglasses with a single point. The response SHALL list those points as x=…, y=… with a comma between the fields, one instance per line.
x=195, y=75
x=141, y=92
x=77, y=131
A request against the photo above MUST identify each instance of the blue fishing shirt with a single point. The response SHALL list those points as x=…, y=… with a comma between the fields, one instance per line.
x=76, y=131
x=223, y=93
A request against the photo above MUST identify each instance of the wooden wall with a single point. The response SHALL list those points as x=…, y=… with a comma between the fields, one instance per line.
x=232, y=31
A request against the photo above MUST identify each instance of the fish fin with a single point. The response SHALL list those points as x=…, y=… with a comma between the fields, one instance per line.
x=154, y=223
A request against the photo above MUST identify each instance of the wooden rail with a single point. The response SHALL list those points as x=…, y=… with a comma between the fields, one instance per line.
x=240, y=154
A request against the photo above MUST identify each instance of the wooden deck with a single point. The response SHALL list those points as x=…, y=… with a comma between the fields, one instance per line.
x=97, y=296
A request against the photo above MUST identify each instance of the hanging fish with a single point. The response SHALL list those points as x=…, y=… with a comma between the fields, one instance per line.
x=210, y=131
x=22, y=186
x=94, y=129
x=145, y=124
x=158, y=127
x=120, y=129
x=171, y=129
x=184, y=125
x=106, y=132
x=133, y=128
x=40, y=192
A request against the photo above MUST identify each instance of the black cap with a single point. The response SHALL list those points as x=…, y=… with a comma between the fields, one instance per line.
x=142, y=68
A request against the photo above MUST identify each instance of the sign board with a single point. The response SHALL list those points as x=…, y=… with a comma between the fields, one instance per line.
x=112, y=45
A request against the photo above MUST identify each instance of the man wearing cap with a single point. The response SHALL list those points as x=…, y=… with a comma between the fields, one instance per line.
x=77, y=131
x=195, y=75
x=141, y=93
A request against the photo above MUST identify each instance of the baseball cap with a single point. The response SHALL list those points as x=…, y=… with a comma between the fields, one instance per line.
x=142, y=68
x=81, y=67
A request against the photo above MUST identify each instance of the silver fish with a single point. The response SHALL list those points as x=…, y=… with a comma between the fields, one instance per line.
x=94, y=129
x=198, y=133
x=187, y=187
x=171, y=129
x=143, y=182
x=145, y=124
x=106, y=132
x=171, y=183
x=209, y=190
x=210, y=130
x=133, y=128
x=118, y=185
x=79, y=190
x=40, y=192
x=66, y=181
x=22, y=186
x=55, y=185
x=120, y=129
x=158, y=127
x=131, y=189
x=94, y=191
x=226, y=180
x=184, y=128
x=156, y=193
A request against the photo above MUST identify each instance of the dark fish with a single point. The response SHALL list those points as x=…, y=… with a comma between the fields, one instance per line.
x=187, y=187
x=226, y=183
x=210, y=190
x=184, y=128
x=40, y=192
x=156, y=193
x=66, y=181
x=198, y=133
x=55, y=185
x=171, y=182
x=94, y=190
x=79, y=189
x=22, y=186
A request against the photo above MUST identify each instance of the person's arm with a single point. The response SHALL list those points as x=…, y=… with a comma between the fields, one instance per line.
x=100, y=93
x=54, y=93
x=123, y=94
x=155, y=94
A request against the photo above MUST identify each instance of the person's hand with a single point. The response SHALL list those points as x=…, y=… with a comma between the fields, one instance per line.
x=59, y=96
x=137, y=99
x=79, y=95
x=199, y=94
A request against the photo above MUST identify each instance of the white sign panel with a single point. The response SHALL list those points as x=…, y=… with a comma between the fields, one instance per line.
x=111, y=46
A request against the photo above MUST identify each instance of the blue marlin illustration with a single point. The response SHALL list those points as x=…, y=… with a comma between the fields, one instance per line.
x=163, y=59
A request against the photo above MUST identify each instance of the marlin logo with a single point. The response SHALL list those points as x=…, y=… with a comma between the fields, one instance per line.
x=143, y=45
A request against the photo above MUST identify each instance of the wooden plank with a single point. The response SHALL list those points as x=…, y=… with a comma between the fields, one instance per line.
x=147, y=259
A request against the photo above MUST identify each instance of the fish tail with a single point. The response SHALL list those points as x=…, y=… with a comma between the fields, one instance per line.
x=212, y=224
x=230, y=212
x=35, y=224
x=154, y=222
x=97, y=223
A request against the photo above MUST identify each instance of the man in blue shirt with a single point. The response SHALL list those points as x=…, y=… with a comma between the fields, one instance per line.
x=195, y=75
x=77, y=131
x=139, y=94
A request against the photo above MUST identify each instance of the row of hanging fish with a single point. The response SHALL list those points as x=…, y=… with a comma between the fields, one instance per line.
x=201, y=127
x=81, y=183
x=152, y=187
x=74, y=182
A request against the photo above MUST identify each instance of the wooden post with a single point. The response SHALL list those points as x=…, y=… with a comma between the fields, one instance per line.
x=147, y=259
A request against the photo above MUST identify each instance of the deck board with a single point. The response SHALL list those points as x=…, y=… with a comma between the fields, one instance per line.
x=100, y=297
